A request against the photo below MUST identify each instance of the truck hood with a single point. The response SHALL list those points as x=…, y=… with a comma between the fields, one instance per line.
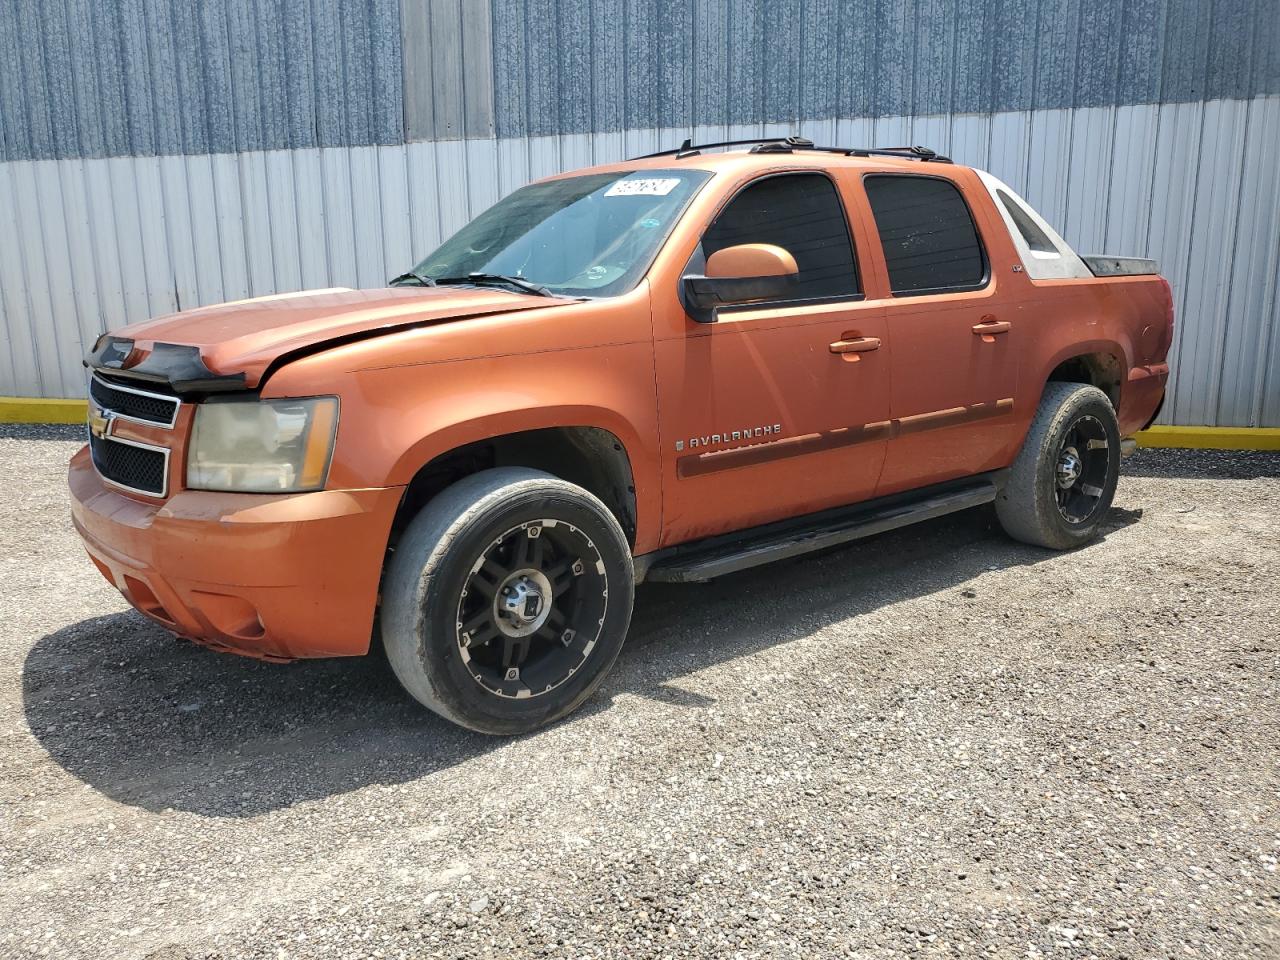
x=231, y=346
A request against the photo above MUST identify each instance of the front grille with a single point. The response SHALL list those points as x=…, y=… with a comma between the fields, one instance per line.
x=140, y=468
x=134, y=404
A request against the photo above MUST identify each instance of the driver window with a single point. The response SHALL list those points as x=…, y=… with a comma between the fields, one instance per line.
x=801, y=213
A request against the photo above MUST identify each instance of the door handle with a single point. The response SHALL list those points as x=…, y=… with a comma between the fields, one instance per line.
x=989, y=327
x=856, y=345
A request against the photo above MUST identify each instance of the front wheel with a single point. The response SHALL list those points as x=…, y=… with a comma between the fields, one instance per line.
x=507, y=600
x=1062, y=483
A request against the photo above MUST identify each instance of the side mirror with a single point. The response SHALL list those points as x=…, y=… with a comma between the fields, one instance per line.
x=741, y=274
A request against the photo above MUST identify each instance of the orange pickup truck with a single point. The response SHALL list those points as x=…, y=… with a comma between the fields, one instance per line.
x=668, y=369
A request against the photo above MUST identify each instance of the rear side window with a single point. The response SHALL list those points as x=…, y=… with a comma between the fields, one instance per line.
x=802, y=214
x=1030, y=231
x=930, y=242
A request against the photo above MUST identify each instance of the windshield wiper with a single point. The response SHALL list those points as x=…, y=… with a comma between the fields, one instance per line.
x=480, y=279
x=411, y=278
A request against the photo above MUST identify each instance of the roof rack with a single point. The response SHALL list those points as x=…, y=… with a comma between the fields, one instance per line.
x=790, y=144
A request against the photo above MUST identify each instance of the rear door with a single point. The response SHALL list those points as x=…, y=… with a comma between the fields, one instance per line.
x=777, y=408
x=954, y=362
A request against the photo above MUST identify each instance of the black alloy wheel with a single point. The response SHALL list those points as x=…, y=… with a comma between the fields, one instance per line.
x=532, y=609
x=1080, y=475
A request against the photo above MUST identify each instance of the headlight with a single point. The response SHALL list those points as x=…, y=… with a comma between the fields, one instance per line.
x=262, y=446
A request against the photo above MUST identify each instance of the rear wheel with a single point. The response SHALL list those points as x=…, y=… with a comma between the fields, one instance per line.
x=507, y=600
x=1063, y=481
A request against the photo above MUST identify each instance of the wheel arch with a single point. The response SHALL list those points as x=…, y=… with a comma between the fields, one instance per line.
x=590, y=456
x=1099, y=363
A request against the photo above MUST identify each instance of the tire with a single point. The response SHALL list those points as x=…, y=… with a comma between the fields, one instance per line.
x=1071, y=425
x=507, y=570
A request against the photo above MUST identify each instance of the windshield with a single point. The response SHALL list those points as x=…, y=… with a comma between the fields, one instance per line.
x=588, y=236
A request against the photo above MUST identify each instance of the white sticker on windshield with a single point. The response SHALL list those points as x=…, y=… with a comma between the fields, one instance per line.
x=649, y=187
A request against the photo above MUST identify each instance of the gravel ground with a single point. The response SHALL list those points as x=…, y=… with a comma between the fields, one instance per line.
x=936, y=743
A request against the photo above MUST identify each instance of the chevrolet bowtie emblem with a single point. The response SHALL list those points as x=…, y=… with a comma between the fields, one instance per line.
x=100, y=422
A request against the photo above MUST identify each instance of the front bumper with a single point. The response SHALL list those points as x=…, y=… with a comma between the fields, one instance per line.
x=271, y=576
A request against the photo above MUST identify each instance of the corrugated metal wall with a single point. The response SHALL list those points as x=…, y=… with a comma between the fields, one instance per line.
x=162, y=154
x=575, y=66
x=142, y=78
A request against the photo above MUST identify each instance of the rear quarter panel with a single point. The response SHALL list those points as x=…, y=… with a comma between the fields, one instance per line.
x=1124, y=317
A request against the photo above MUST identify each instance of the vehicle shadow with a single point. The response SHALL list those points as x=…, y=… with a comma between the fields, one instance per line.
x=159, y=723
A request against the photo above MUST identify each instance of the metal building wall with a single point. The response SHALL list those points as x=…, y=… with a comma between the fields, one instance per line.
x=155, y=156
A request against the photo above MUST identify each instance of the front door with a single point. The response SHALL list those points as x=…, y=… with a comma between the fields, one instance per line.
x=775, y=409
x=954, y=363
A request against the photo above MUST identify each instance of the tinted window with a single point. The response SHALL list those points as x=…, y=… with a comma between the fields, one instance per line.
x=802, y=214
x=1031, y=233
x=930, y=242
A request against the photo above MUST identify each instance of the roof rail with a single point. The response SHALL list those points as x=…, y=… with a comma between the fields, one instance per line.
x=790, y=144
x=689, y=149
x=907, y=153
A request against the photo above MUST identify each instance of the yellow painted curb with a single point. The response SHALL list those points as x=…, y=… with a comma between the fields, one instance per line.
x=1211, y=438
x=38, y=410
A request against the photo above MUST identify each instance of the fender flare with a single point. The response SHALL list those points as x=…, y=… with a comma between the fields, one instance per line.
x=504, y=422
x=641, y=461
x=1080, y=349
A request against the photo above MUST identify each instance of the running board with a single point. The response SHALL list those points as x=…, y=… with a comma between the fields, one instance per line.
x=717, y=556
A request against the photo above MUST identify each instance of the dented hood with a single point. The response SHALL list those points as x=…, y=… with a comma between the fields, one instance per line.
x=231, y=346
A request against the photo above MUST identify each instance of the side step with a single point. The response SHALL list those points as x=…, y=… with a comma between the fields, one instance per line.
x=717, y=556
